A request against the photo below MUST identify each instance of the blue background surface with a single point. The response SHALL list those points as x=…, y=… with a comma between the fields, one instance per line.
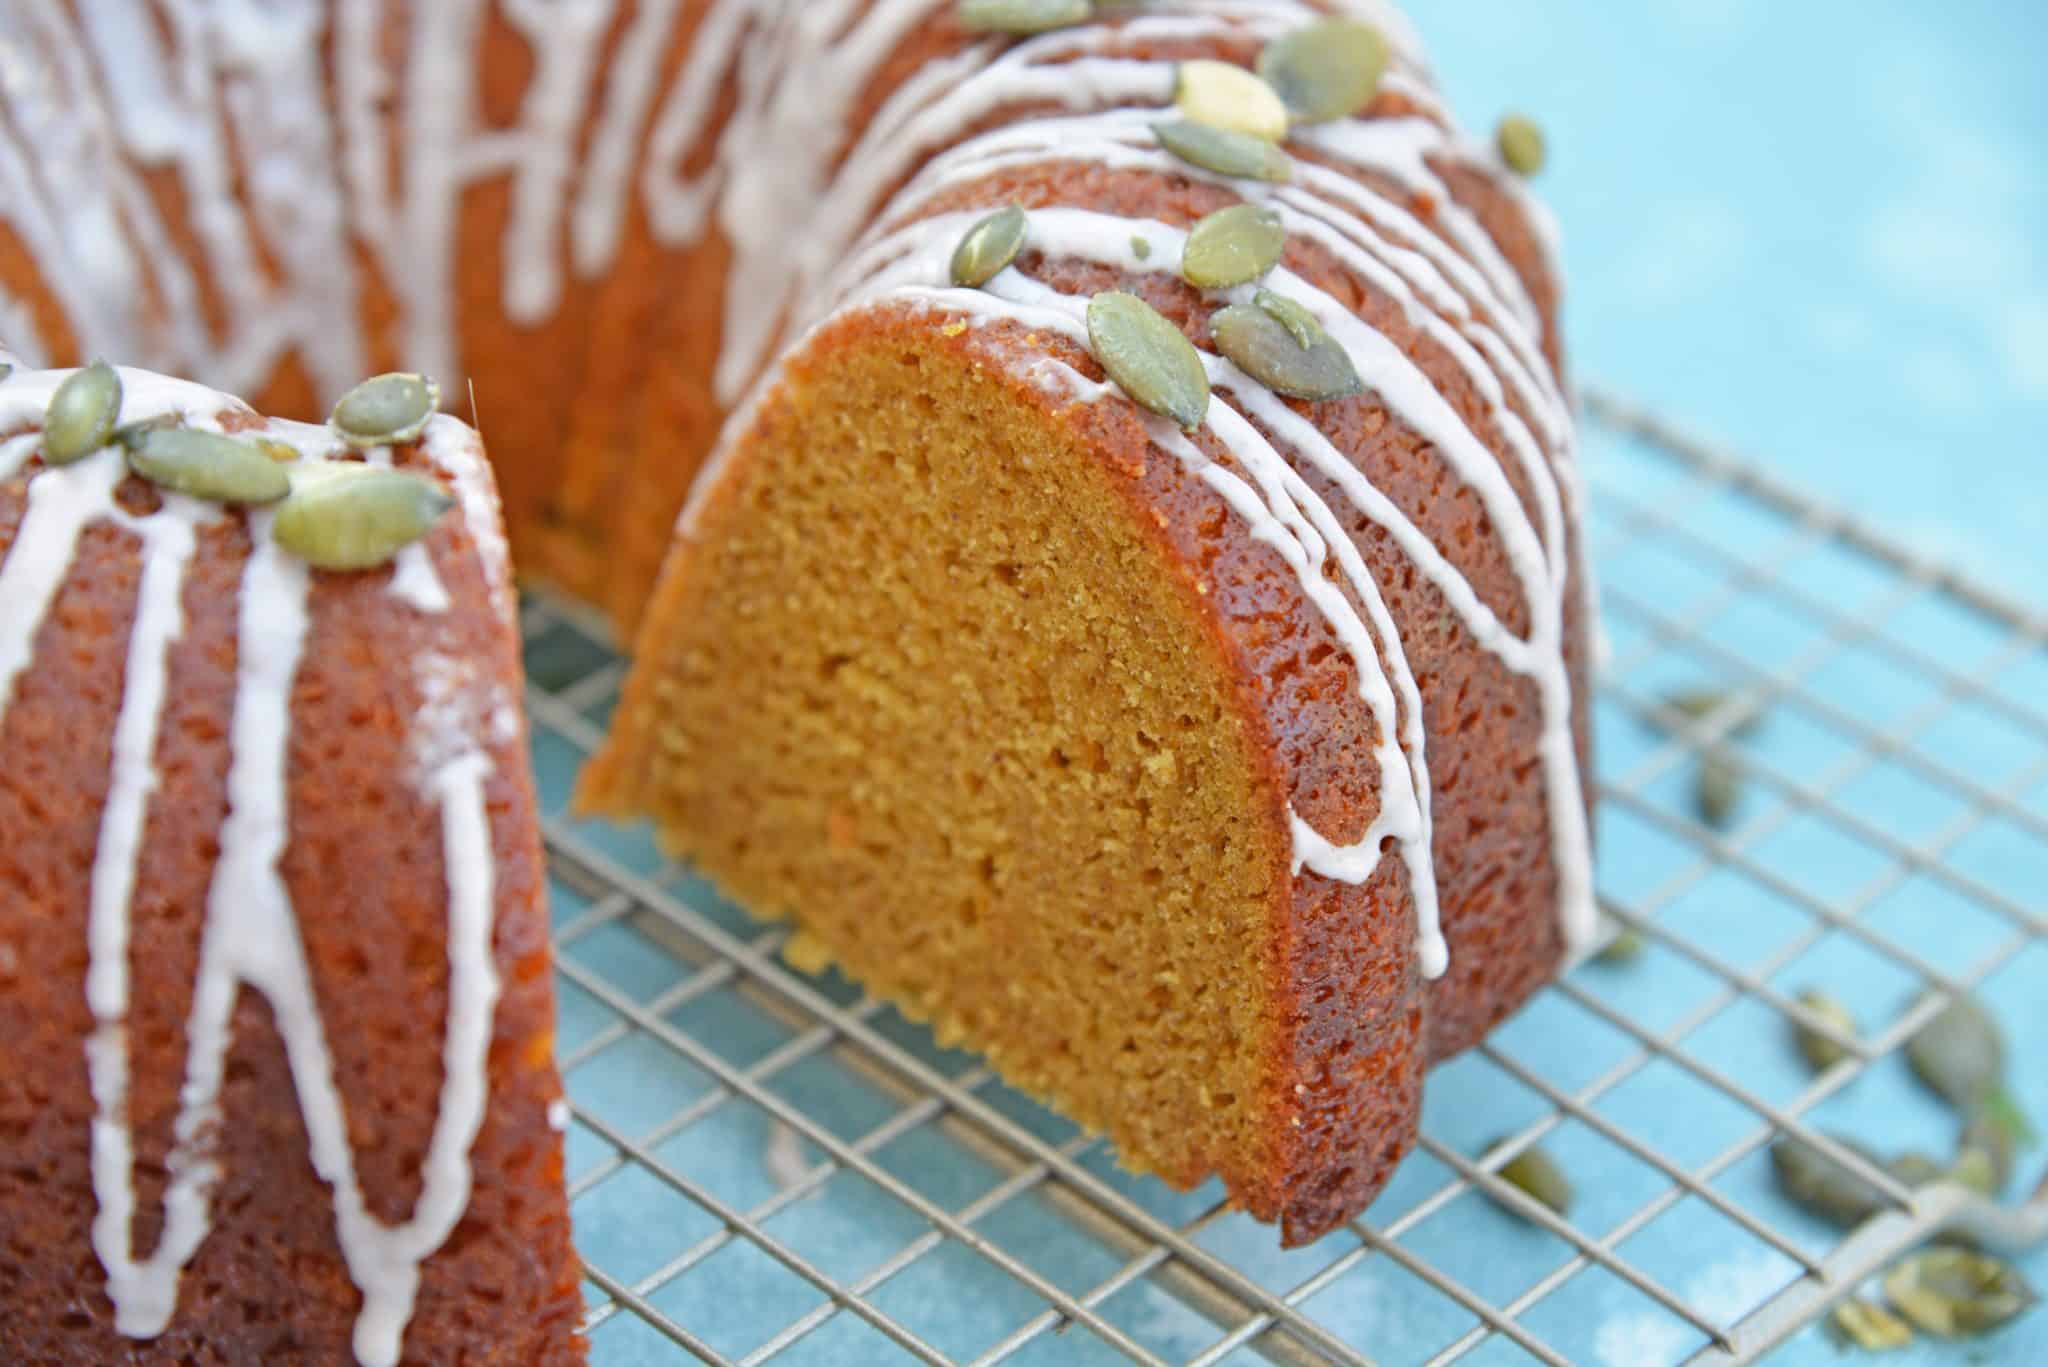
x=1812, y=228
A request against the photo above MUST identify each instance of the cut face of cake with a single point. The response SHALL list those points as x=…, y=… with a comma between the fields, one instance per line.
x=275, y=999
x=1139, y=625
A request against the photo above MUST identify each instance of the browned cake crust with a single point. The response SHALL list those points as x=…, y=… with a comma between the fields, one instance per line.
x=1349, y=1023
x=367, y=877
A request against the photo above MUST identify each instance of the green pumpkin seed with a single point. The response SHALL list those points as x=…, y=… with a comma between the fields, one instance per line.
x=1022, y=16
x=989, y=247
x=1536, y=1175
x=1960, y=1055
x=1141, y=248
x=1717, y=790
x=1149, y=357
x=1265, y=348
x=1224, y=152
x=1820, y=1185
x=385, y=410
x=1991, y=1137
x=80, y=418
x=1915, y=1170
x=1700, y=704
x=1521, y=144
x=1976, y=1169
x=1220, y=95
x=1821, y=1052
x=1301, y=325
x=1626, y=947
x=1233, y=246
x=204, y=465
x=1328, y=70
x=343, y=516
x=1858, y=1323
x=1955, y=1293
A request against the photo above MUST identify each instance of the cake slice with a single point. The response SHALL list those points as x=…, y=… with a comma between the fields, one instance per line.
x=1139, y=625
x=276, y=1012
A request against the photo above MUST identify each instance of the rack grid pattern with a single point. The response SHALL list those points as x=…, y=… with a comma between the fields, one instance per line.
x=771, y=1167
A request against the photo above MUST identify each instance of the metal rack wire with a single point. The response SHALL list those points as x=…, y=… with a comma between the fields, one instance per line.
x=767, y=1166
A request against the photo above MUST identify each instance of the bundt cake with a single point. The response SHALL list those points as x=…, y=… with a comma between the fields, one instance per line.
x=1139, y=623
x=276, y=1014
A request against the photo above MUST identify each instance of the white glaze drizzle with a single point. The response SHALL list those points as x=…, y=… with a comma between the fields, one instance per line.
x=251, y=934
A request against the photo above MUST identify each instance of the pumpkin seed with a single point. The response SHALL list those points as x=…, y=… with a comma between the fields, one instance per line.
x=1022, y=16
x=1293, y=315
x=344, y=516
x=1699, y=704
x=1991, y=1137
x=1149, y=357
x=80, y=418
x=1915, y=1170
x=1233, y=246
x=1266, y=349
x=1626, y=947
x=1717, y=790
x=1521, y=144
x=5, y=370
x=1858, y=1323
x=1328, y=70
x=1818, y=1184
x=1976, y=1169
x=989, y=247
x=1220, y=95
x=385, y=410
x=1960, y=1055
x=1223, y=151
x=1820, y=1052
x=1536, y=1175
x=1955, y=1293
x=205, y=465
x=1141, y=248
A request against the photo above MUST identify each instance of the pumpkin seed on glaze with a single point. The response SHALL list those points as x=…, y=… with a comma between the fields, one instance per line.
x=1022, y=17
x=1955, y=1293
x=989, y=247
x=80, y=418
x=205, y=465
x=1220, y=95
x=344, y=516
x=1268, y=350
x=1327, y=70
x=1141, y=248
x=1233, y=246
x=1224, y=152
x=1149, y=357
x=1820, y=1051
x=1858, y=1323
x=1301, y=324
x=385, y=409
x=1521, y=145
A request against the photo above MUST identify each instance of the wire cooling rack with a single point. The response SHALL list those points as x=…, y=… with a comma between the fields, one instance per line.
x=771, y=1167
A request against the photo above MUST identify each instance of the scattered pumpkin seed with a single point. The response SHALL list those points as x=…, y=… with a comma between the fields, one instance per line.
x=1818, y=1184
x=345, y=516
x=386, y=409
x=1698, y=704
x=1221, y=95
x=1717, y=789
x=1960, y=1055
x=81, y=415
x=1269, y=351
x=1233, y=246
x=1141, y=248
x=1022, y=16
x=1977, y=1170
x=1859, y=1323
x=1327, y=70
x=1626, y=947
x=1301, y=325
x=1955, y=1293
x=1223, y=151
x=1536, y=1175
x=1521, y=144
x=989, y=247
x=1987, y=1134
x=1149, y=357
x=1915, y=1169
x=205, y=465
x=1821, y=1052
